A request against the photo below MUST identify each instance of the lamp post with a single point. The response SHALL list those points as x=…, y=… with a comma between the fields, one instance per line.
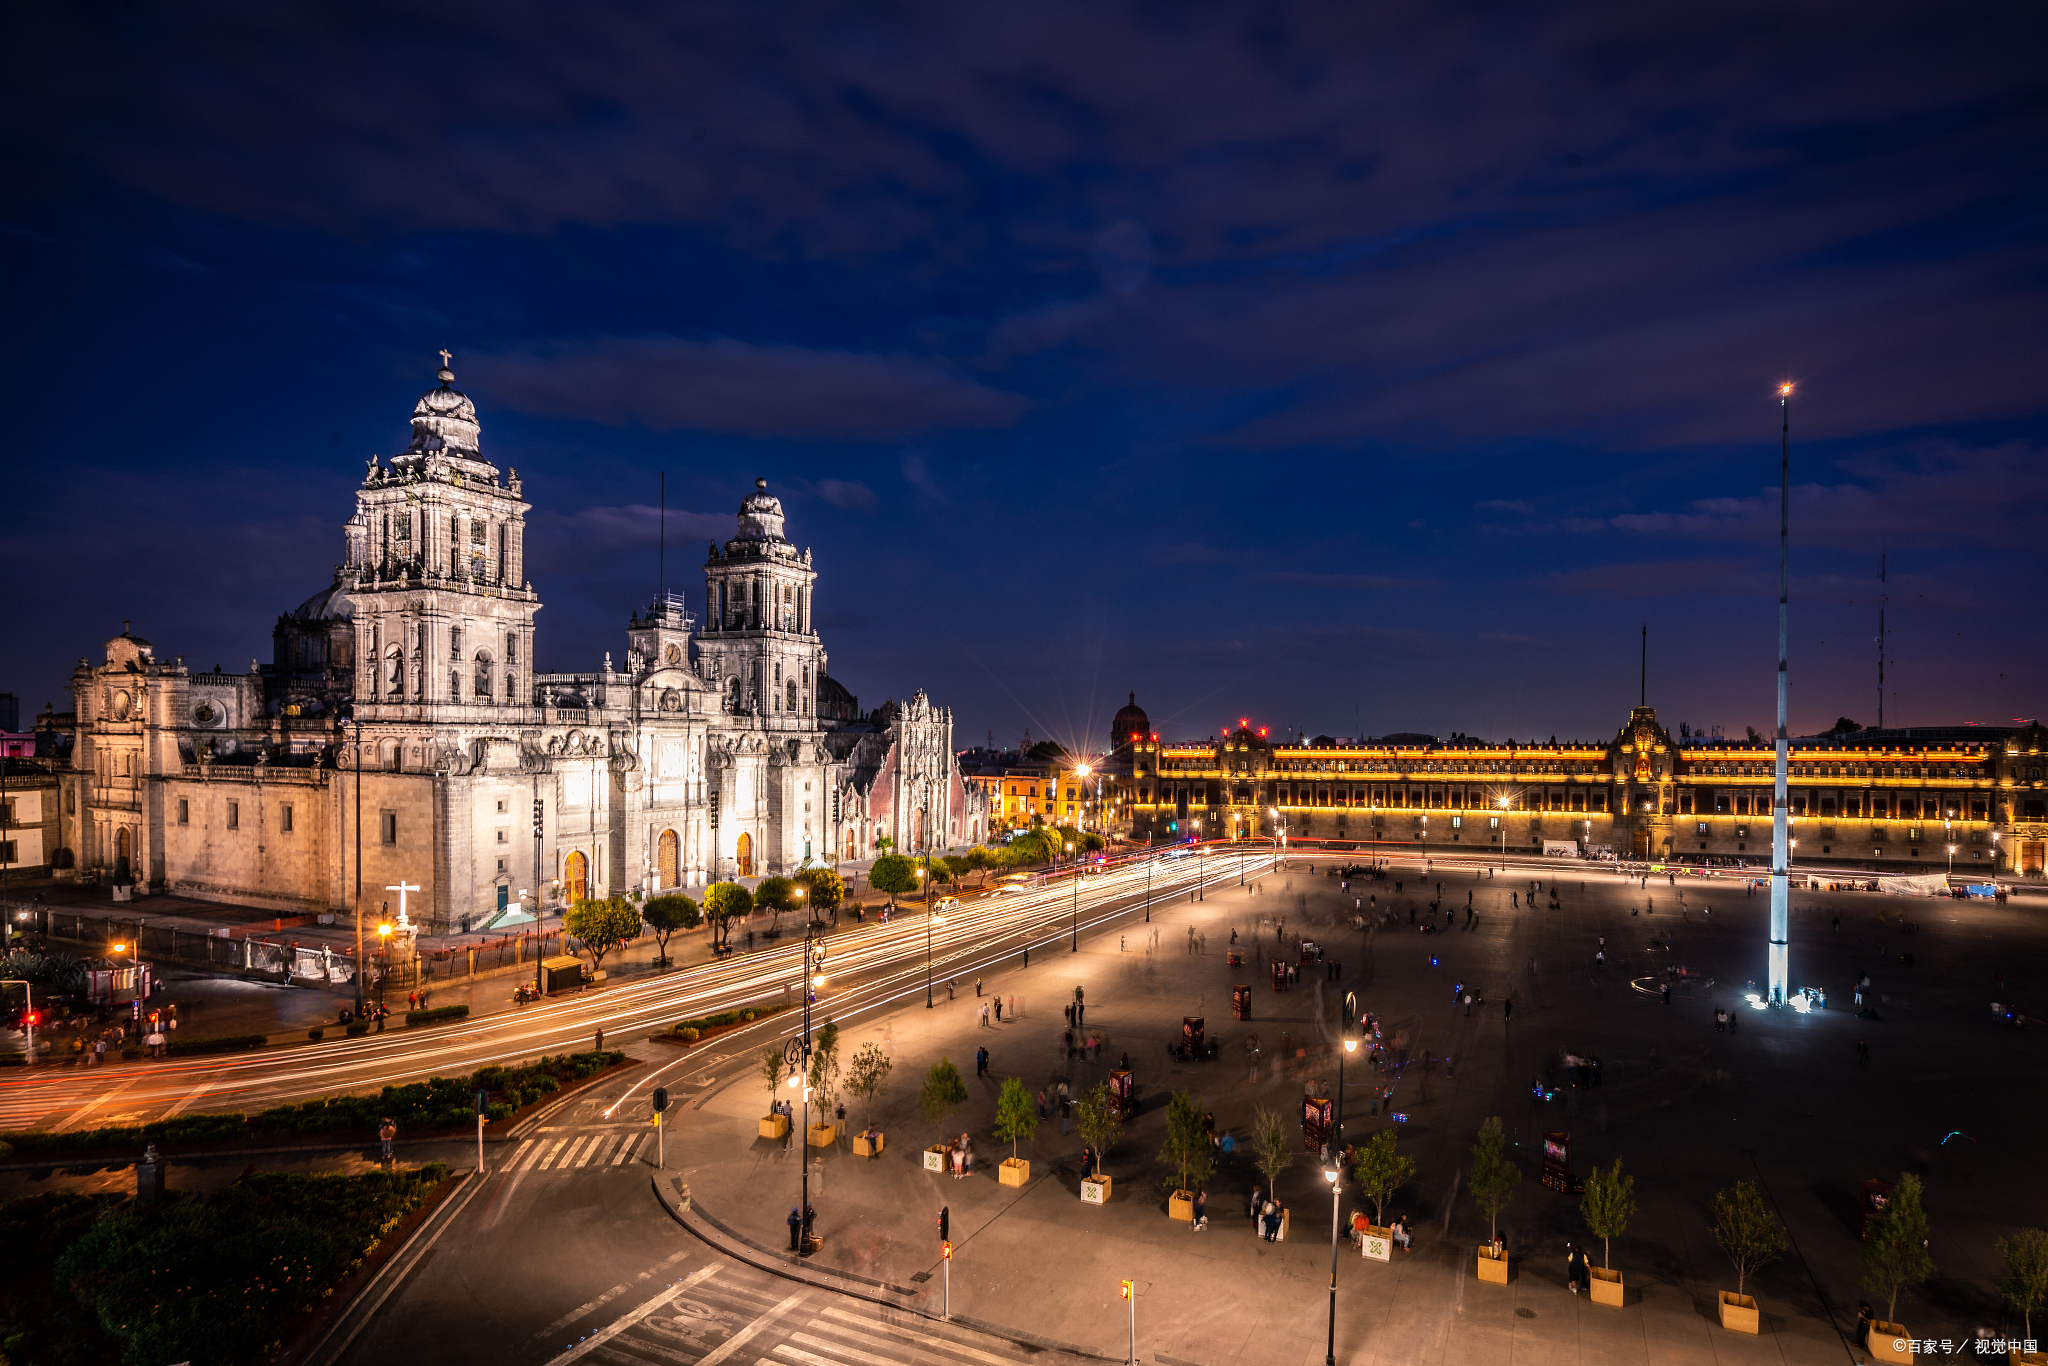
x=359, y=863
x=797, y=1053
x=1503, y=831
x=1077, y=908
x=1331, y=1174
x=383, y=965
x=927, y=938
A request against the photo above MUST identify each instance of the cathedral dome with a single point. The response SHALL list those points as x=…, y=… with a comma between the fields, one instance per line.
x=444, y=418
x=761, y=515
x=329, y=604
x=1130, y=722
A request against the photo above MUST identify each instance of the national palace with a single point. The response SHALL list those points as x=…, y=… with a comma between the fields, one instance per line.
x=1882, y=800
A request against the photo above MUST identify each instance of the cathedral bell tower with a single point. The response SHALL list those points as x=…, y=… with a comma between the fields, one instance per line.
x=758, y=646
x=435, y=574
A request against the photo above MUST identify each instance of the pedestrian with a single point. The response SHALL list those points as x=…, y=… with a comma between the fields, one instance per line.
x=1862, y=1053
x=1507, y=1011
x=1067, y=1041
x=981, y=1058
x=977, y=988
x=983, y=1014
x=1066, y=1109
x=1253, y=1212
x=1575, y=1267
x=796, y=1223
x=1041, y=1102
x=810, y=1218
x=1201, y=1219
x=387, y=1133
x=999, y=1010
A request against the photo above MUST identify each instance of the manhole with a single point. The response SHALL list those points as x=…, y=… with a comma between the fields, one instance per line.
x=1525, y=1313
x=920, y=1276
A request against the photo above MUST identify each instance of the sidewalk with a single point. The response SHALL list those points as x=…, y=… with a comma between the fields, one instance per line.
x=1037, y=1261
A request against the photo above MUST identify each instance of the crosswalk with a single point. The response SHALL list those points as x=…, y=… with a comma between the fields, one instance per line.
x=590, y=1152
x=728, y=1313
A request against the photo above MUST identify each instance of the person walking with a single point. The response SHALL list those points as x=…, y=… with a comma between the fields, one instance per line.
x=977, y=988
x=1066, y=1109
x=981, y=1058
x=999, y=1010
x=1201, y=1219
x=387, y=1134
x=1575, y=1267
x=1507, y=1010
x=796, y=1223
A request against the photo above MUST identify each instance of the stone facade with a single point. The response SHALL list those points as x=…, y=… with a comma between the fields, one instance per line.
x=1878, y=800
x=401, y=733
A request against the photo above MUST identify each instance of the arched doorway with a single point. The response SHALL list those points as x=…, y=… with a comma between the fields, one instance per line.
x=123, y=851
x=576, y=878
x=850, y=854
x=667, y=858
x=745, y=854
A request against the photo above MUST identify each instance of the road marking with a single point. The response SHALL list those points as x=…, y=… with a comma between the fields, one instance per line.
x=578, y=1151
x=549, y=1160
x=195, y=1093
x=741, y=1338
x=626, y=1149
x=956, y=1348
x=838, y=1348
x=607, y=1297
x=620, y=1325
x=82, y=1111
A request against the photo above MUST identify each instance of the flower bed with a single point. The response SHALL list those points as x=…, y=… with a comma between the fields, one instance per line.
x=706, y=1026
x=437, y=1015
x=218, y=1278
x=437, y=1103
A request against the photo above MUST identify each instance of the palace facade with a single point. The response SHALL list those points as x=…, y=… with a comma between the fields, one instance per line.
x=401, y=733
x=1887, y=800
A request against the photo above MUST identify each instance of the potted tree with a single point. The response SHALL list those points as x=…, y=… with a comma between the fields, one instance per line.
x=1016, y=1119
x=602, y=925
x=1381, y=1171
x=894, y=875
x=868, y=1077
x=2026, y=1281
x=1101, y=1121
x=942, y=1093
x=824, y=1080
x=1493, y=1182
x=1272, y=1153
x=1609, y=1203
x=773, y=1124
x=824, y=889
x=1186, y=1153
x=1895, y=1256
x=775, y=895
x=1751, y=1237
x=725, y=902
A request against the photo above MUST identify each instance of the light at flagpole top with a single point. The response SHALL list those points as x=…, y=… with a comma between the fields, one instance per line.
x=1785, y=389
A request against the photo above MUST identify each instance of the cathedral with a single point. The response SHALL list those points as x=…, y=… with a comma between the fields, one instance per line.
x=402, y=736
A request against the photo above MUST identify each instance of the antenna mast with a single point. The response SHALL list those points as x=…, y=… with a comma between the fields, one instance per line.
x=1643, y=698
x=1881, y=600
x=661, y=554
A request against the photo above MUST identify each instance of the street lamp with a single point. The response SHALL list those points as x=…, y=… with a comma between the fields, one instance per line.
x=927, y=938
x=1198, y=859
x=1330, y=1174
x=1077, y=905
x=383, y=965
x=1503, y=831
x=797, y=1052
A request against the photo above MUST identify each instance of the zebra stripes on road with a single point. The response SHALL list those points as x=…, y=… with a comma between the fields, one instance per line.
x=578, y=1152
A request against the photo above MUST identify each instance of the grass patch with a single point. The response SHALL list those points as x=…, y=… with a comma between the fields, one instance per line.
x=689, y=1031
x=225, y=1043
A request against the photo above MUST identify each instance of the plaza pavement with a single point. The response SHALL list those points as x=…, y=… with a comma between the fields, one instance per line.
x=1782, y=1102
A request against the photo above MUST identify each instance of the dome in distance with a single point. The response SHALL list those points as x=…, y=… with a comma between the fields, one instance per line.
x=444, y=418
x=1130, y=724
x=761, y=515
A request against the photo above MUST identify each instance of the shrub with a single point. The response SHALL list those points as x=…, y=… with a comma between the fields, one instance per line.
x=225, y=1043
x=356, y=1029
x=316, y=1033
x=437, y=1015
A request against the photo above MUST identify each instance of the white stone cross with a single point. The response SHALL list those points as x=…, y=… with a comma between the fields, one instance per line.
x=402, y=888
x=444, y=358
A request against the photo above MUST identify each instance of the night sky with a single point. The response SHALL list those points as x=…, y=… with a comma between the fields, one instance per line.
x=1350, y=368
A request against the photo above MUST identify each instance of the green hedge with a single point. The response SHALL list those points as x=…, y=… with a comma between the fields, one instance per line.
x=217, y=1278
x=691, y=1030
x=438, y=1015
x=225, y=1043
x=437, y=1103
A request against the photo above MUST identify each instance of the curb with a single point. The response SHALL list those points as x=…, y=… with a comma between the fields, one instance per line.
x=677, y=1202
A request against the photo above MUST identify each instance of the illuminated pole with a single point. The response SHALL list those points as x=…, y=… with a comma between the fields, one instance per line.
x=1077, y=907
x=1781, y=835
x=1331, y=1174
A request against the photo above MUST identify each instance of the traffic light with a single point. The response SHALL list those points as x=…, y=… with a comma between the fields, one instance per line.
x=1125, y=1289
x=945, y=1223
x=660, y=1099
x=1173, y=827
x=539, y=817
x=946, y=1251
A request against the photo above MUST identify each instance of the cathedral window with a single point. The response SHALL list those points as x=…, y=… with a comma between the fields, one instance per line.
x=511, y=687
x=483, y=675
x=455, y=685
x=477, y=534
x=511, y=649
x=396, y=686
x=792, y=694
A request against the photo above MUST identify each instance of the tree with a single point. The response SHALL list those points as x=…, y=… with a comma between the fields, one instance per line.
x=725, y=902
x=667, y=914
x=934, y=868
x=942, y=1093
x=2026, y=1272
x=823, y=888
x=1746, y=1231
x=868, y=1077
x=977, y=860
x=894, y=876
x=1381, y=1171
x=1494, y=1174
x=1101, y=1120
x=777, y=894
x=824, y=1078
x=1608, y=1205
x=883, y=844
x=1186, y=1150
x=1016, y=1114
x=957, y=866
x=602, y=925
x=1272, y=1146
x=773, y=1065
x=1895, y=1251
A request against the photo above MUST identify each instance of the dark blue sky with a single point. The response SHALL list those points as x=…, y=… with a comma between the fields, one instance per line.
x=1345, y=370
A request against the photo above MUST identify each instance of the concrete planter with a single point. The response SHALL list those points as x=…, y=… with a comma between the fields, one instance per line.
x=1014, y=1171
x=774, y=1126
x=935, y=1157
x=823, y=1134
x=1605, y=1285
x=1094, y=1190
x=1377, y=1243
x=1181, y=1205
x=1739, y=1313
x=1889, y=1341
x=1493, y=1267
x=863, y=1146
x=1259, y=1227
